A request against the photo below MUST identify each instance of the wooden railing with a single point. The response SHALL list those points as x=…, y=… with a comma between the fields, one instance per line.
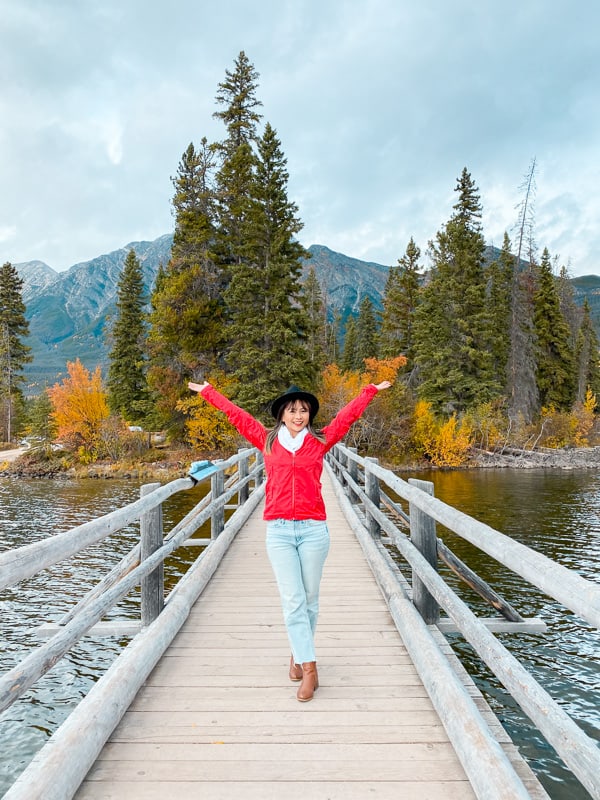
x=416, y=606
x=380, y=523
x=58, y=770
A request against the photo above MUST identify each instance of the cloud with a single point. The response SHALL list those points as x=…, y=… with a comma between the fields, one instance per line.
x=379, y=104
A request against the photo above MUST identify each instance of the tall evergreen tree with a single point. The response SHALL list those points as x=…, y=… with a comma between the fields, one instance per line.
x=555, y=366
x=14, y=353
x=318, y=328
x=568, y=306
x=235, y=176
x=587, y=356
x=453, y=328
x=400, y=300
x=367, y=333
x=349, y=360
x=127, y=387
x=268, y=324
x=187, y=331
x=501, y=274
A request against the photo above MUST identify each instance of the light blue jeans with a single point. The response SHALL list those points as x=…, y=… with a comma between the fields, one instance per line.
x=297, y=550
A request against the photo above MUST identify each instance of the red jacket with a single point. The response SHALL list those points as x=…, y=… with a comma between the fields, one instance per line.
x=293, y=489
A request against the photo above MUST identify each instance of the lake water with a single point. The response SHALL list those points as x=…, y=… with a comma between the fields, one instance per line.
x=555, y=512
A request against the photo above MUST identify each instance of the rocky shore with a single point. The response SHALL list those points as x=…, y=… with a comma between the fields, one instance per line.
x=563, y=458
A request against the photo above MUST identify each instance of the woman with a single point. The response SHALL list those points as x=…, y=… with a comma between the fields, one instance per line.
x=297, y=534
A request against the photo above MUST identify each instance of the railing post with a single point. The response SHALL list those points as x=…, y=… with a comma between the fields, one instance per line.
x=151, y=538
x=423, y=536
x=242, y=475
x=217, y=522
x=353, y=472
x=373, y=493
x=259, y=464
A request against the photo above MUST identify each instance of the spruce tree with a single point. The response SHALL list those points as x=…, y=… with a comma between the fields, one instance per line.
x=367, y=333
x=555, y=374
x=268, y=324
x=568, y=306
x=318, y=331
x=453, y=327
x=501, y=274
x=235, y=175
x=587, y=356
x=187, y=329
x=400, y=300
x=349, y=360
x=14, y=353
x=127, y=388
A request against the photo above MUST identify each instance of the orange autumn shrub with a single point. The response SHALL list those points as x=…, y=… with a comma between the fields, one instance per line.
x=79, y=408
x=445, y=444
x=208, y=429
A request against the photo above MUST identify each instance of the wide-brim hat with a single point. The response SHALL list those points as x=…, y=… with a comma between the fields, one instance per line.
x=295, y=393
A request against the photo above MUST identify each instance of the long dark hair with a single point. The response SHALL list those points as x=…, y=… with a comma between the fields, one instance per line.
x=272, y=434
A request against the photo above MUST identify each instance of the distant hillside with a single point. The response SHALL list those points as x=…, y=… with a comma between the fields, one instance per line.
x=68, y=311
x=588, y=286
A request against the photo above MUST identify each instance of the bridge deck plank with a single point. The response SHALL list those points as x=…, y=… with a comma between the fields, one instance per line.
x=218, y=717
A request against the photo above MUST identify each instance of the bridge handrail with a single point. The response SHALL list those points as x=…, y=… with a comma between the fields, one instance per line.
x=58, y=769
x=572, y=590
x=24, y=562
x=16, y=681
x=576, y=748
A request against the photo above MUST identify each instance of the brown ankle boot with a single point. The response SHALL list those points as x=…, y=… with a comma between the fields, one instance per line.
x=295, y=670
x=310, y=682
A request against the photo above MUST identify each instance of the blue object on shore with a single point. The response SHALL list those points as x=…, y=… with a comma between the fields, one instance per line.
x=201, y=469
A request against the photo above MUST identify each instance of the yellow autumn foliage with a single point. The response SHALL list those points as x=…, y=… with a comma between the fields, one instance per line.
x=445, y=443
x=568, y=428
x=207, y=428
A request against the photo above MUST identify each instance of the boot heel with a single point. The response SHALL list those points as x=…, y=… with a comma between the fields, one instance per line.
x=310, y=682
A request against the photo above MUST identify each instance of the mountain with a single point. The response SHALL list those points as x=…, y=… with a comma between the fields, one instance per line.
x=68, y=311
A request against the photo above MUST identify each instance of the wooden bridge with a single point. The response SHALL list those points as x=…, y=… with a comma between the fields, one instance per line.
x=199, y=703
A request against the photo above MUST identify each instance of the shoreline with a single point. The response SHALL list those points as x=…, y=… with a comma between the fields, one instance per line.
x=171, y=468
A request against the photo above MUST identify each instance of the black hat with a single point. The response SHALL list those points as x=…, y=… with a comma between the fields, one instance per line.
x=294, y=393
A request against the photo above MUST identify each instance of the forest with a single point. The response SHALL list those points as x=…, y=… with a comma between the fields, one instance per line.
x=482, y=355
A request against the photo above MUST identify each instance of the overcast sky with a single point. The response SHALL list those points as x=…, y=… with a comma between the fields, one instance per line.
x=379, y=104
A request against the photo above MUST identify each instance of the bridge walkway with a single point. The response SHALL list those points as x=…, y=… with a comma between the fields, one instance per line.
x=218, y=717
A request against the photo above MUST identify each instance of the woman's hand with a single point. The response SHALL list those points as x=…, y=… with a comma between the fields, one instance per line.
x=197, y=387
x=382, y=385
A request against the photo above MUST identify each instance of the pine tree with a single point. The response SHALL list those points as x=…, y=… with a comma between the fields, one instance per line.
x=453, y=328
x=568, y=306
x=555, y=373
x=349, y=360
x=587, y=356
x=14, y=353
x=367, y=333
x=318, y=331
x=501, y=275
x=187, y=330
x=268, y=324
x=237, y=95
x=400, y=300
x=39, y=419
x=127, y=387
